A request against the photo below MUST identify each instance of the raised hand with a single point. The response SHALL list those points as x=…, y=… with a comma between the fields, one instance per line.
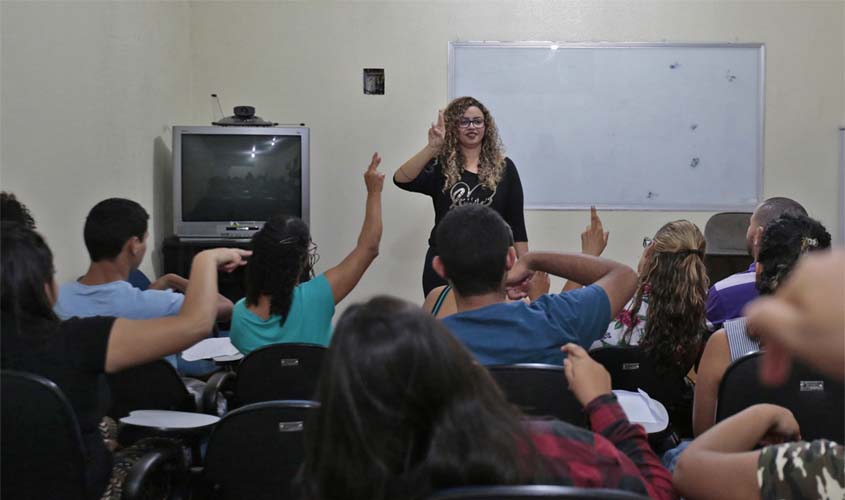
x=594, y=238
x=587, y=378
x=805, y=318
x=437, y=133
x=229, y=259
x=372, y=177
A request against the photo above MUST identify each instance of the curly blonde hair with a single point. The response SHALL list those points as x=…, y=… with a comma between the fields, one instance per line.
x=676, y=283
x=491, y=163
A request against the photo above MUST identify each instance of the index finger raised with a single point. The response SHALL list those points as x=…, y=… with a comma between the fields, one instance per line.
x=594, y=217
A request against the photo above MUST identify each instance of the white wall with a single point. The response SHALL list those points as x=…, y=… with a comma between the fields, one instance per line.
x=302, y=62
x=89, y=91
x=154, y=65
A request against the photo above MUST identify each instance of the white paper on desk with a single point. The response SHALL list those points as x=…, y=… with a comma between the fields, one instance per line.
x=635, y=406
x=210, y=348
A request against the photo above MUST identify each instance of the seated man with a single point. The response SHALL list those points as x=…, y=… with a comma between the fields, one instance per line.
x=116, y=238
x=477, y=258
x=727, y=297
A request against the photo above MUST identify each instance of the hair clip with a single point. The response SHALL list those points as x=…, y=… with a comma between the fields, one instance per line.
x=807, y=242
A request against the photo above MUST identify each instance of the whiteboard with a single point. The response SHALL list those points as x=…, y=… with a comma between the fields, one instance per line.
x=624, y=126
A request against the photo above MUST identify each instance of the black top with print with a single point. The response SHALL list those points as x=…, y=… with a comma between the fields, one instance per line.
x=505, y=199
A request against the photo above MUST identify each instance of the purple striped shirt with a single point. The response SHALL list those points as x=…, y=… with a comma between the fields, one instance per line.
x=728, y=297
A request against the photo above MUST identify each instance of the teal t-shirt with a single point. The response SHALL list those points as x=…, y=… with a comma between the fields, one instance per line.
x=308, y=321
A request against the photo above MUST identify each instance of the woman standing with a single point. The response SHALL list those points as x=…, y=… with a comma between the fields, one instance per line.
x=464, y=163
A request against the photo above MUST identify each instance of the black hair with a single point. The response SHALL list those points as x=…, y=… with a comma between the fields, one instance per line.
x=473, y=242
x=12, y=210
x=27, y=265
x=784, y=241
x=282, y=257
x=110, y=224
x=775, y=207
x=406, y=411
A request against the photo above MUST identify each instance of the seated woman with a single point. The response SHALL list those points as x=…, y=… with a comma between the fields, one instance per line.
x=284, y=302
x=405, y=412
x=76, y=352
x=666, y=315
x=804, y=320
x=784, y=241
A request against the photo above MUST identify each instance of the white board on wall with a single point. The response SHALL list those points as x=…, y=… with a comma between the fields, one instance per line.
x=624, y=126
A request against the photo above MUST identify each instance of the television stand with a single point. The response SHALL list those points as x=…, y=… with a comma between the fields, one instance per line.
x=177, y=255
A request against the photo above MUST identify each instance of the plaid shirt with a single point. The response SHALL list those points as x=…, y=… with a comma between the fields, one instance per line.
x=617, y=455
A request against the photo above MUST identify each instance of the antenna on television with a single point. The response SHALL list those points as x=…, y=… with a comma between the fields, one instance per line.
x=216, y=100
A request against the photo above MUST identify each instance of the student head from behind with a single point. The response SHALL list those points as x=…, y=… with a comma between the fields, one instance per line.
x=475, y=250
x=765, y=213
x=405, y=410
x=283, y=257
x=784, y=241
x=13, y=210
x=117, y=228
x=673, y=276
x=28, y=286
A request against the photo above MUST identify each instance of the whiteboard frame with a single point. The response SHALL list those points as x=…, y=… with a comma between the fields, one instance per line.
x=761, y=118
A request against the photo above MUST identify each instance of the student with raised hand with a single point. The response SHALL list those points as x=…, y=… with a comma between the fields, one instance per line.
x=284, y=301
x=478, y=260
x=76, y=352
x=805, y=319
x=783, y=242
x=464, y=163
x=405, y=411
x=116, y=239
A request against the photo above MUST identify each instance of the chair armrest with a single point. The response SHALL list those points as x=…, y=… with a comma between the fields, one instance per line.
x=217, y=386
x=168, y=464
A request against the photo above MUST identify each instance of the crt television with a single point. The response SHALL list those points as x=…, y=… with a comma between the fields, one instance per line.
x=227, y=181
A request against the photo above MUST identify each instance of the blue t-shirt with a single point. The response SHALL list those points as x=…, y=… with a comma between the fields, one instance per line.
x=309, y=319
x=516, y=332
x=118, y=299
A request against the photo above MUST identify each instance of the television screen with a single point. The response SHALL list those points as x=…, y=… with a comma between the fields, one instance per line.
x=240, y=177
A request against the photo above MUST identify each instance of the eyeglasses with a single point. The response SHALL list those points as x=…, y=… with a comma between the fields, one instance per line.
x=475, y=123
x=647, y=242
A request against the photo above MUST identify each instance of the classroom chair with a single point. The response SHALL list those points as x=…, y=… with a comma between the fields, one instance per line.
x=817, y=402
x=274, y=372
x=727, y=247
x=539, y=390
x=151, y=386
x=255, y=452
x=42, y=452
x=631, y=368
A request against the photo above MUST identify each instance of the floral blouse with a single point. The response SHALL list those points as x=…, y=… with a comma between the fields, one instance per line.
x=617, y=328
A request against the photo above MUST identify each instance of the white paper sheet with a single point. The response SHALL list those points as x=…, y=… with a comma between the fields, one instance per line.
x=210, y=348
x=636, y=406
